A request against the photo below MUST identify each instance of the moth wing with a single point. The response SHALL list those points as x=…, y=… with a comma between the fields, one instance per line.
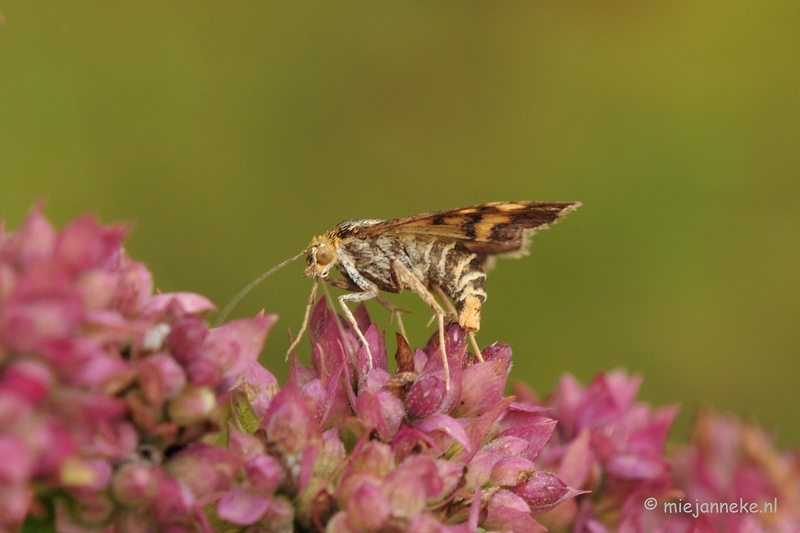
x=499, y=228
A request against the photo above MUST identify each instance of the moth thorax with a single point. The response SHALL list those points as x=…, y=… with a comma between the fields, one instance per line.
x=469, y=316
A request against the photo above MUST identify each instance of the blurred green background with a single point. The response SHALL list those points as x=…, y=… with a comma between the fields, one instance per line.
x=231, y=133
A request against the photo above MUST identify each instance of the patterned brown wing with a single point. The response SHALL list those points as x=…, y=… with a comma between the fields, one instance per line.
x=498, y=228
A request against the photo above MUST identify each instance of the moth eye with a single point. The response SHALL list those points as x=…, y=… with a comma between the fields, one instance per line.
x=324, y=254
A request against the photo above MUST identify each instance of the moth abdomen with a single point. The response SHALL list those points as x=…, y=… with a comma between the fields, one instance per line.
x=458, y=272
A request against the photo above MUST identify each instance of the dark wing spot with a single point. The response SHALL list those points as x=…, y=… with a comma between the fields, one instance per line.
x=505, y=233
x=469, y=226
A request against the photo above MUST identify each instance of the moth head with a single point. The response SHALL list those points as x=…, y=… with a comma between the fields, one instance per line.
x=320, y=258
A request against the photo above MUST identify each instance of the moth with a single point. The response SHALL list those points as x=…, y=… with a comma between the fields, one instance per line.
x=443, y=254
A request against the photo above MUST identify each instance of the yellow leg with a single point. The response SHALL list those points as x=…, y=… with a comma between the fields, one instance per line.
x=451, y=310
x=454, y=317
x=357, y=297
x=412, y=282
x=311, y=299
x=474, y=345
x=395, y=313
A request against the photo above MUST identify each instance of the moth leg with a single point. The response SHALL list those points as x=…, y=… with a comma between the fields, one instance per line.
x=451, y=310
x=454, y=317
x=393, y=309
x=358, y=294
x=311, y=299
x=357, y=297
x=342, y=284
x=408, y=279
x=395, y=312
x=474, y=345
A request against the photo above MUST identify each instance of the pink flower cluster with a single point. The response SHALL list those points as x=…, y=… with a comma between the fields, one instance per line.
x=608, y=444
x=368, y=451
x=730, y=461
x=105, y=388
x=612, y=446
x=122, y=411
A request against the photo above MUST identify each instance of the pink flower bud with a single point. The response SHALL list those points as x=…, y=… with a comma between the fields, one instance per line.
x=17, y=461
x=160, y=378
x=367, y=507
x=28, y=379
x=242, y=507
x=84, y=244
x=264, y=473
x=544, y=490
x=134, y=287
x=134, y=484
x=33, y=241
x=85, y=473
x=192, y=405
x=204, y=469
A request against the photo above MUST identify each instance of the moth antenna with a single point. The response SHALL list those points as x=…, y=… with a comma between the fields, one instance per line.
x=250, y=286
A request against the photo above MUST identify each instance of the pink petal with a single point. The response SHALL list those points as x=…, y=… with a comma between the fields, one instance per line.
x=483, y=386
x=289, y=424
x=23, y=326
x=242, y=507
x=29, y=379
x=409, y=486
x=362, y=317
x=635, y=467
x=451, y=474
x=260, y=387
x=537, y=432
x=367, y=507
x=188, y=303
x=236, y=345
x=186, y=338
x=204, y=469
x=134, y=287
x=84, y=244
x=243, y=444
x=340, y=523
x=544, y=490
x=371, y=456
x=134, y=484
x=33, y=241
x=17, y=463
x=377, y=346
x=15, y=503
x=480, y=469
x=410, y=441
x=381, y=411
x=511, y=471
x=444, y=424
x=160, y=378
x=577, y=462
x=652, y=438
x=506, y=446
x=330, y=337
x=566, y=401
x=8, y=280
x=478, y=429
x=97, y=288
x=264, y=473
x=193, y=405
x=426, y=396
x=506, y=512
x=623, y=387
